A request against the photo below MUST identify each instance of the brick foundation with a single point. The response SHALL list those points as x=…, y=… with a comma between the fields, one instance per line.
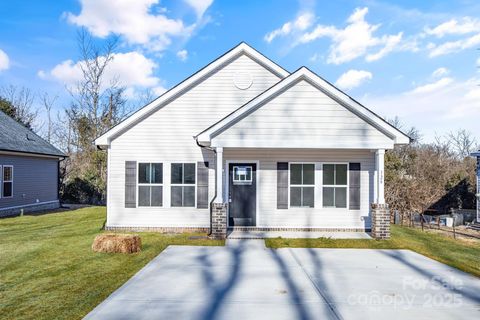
x=380, y=221
x=219, y=220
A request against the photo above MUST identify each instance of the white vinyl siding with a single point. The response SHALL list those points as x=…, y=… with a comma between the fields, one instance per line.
x=302, y=116
x=300, y=217
x=167, y=136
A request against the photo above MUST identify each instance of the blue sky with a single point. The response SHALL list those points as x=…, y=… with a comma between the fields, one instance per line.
x=414, y=59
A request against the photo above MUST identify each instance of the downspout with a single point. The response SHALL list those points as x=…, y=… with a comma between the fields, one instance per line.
x=215, y=195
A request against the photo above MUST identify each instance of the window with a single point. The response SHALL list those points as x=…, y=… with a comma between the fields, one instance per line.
x=150, y=180
x=302, y=185
x=335, y=185
x=242, y=175
x=7, y=181
x=183, y=185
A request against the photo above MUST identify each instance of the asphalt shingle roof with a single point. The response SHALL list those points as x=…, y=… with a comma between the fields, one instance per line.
x=16, y=137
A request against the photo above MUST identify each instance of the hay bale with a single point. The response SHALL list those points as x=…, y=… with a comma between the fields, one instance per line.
x=117, y=243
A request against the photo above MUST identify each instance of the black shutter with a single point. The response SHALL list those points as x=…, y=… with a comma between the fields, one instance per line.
x=202, y=185
x=282, y=185
x=130, y=184
x=354, y=186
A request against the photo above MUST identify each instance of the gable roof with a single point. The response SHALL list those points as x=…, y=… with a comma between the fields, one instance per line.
x=171, y=94
x=17, y=138
x=304, y=74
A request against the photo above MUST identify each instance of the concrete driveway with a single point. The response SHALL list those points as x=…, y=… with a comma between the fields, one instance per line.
x=244, y=280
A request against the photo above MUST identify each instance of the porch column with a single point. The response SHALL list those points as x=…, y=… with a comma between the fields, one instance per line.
x=380, y=170
x=219, y=165
x=380, y=219
x=219, y=206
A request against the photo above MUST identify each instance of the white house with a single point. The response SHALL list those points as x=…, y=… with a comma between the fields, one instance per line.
x=253, y=145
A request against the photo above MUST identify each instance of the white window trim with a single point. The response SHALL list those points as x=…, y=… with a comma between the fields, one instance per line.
x=2, y=181
x=150, y=184
x=194, y=185
x=314, y=185
x=347, y=186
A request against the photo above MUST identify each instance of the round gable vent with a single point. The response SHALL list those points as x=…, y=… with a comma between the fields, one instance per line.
x=243, y=80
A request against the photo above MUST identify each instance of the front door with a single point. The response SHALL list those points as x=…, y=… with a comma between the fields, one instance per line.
x=242, y=194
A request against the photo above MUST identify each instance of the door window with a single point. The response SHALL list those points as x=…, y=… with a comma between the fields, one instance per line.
x=242, y=175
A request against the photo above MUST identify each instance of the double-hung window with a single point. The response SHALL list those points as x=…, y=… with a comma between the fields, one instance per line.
x=183, y=185
x=7, y=181
x=302, y=185
x=150, y=184
x=335, y=185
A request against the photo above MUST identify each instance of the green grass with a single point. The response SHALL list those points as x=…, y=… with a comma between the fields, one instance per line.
x=48, y=271
x=461, y=254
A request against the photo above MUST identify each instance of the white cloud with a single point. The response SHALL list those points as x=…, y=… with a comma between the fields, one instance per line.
x=391, y=42
x=200, y=6
x=445, y=105
x=301, y=23
x=454, y=46
x=131, y=69
x=440, y=72
x=353, y=78
x=4, y=61
x=430, y=87
x=133, y=20
x=182, y=55
x=454, y=26
x=355, y=39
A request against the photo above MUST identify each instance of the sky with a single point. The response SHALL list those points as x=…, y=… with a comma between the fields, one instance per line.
x=415, y=60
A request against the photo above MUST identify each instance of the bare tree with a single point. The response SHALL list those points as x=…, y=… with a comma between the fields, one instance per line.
x=97, y=104
x=22, y=99
x=462, y=142
x=48, y=102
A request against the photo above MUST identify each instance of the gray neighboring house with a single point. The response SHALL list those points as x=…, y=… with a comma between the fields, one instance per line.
x=28, y=170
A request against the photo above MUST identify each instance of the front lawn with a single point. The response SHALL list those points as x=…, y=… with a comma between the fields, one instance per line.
x=461, y=254
x=48, y=271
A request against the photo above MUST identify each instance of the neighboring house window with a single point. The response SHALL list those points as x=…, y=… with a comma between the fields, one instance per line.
x=150, y=184
x=335, y=185
x=183, y=185
x=7, y=181
x=302, y=185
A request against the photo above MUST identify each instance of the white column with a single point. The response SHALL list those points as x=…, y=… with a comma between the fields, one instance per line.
x=380, y=170
x=219, y=165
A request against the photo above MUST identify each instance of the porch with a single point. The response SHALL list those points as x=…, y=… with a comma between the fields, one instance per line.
x=296, y=193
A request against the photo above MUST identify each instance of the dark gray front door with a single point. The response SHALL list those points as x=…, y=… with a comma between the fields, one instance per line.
x=242, y=196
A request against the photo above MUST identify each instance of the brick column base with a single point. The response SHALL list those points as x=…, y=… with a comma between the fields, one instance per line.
x=219, y=220
x=380, y=221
